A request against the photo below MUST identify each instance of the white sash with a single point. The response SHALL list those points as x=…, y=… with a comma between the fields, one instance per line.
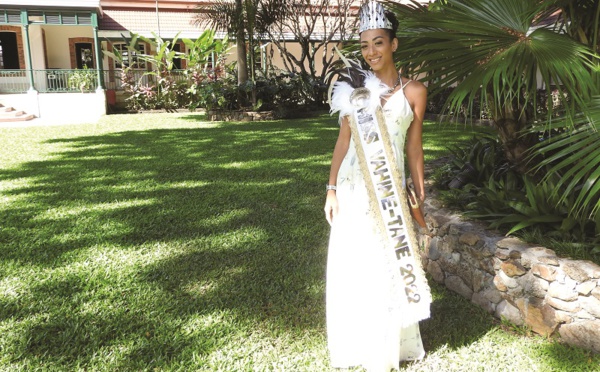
x=389, y=207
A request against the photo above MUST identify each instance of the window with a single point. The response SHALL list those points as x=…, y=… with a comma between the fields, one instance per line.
x=177, y=60
x=9, y=53
x=132, y=59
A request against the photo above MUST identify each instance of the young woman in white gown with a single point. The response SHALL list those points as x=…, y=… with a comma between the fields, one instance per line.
x=362, y=328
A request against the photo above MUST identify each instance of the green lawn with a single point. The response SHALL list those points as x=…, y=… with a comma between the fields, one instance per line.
x=162, y=242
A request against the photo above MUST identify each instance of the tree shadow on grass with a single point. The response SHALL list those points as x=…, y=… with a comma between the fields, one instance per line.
x=454, y=321
x=129, y=243
x=235, y=211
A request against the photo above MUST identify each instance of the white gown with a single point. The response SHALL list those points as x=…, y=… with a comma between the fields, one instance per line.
x=362, y=325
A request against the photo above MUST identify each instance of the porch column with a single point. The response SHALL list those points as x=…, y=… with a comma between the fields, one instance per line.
x=99, y=56
x=25, y=24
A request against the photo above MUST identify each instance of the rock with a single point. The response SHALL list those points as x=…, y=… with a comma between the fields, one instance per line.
x=434, y=253
x=508, y=281
x=543, y=271
x=488, y=249
x=501, y=254
x=533, y=285
x=477, y=283
x=448, y=264
x=487, y=265
x=480, y=300
x=581, y=271
x=513, y=268
x=511, y=244
x=563, y=292
x=453, y=230
x=505, y=310
x=596, y=292
x=591, y=305
x=582, y=314
x=466, y=273
x=549, y=260
x=491, y=294
x=436, y=272
x=449, y=244
x=456, y=284
x=456, y=257
x=499, y=283
x=584, y=334
x=515, y=255
x=563, y=317
x=469, y=238
x=539, y=317
x=542, y=251
x=571, y=307
x=586, y=288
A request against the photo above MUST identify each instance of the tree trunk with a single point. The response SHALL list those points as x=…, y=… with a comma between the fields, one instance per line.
x=240, y=39
x=515, y=144
x=241, y=58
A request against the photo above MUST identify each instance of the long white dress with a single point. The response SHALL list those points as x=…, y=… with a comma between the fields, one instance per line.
x=362, y=324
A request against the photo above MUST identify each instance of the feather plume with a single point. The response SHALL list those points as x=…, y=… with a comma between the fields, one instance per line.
x=340, y=99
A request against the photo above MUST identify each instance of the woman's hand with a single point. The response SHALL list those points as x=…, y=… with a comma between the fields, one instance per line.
x=331, y=206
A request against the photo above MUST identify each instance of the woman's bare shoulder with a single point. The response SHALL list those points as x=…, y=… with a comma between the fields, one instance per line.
x=415, y=87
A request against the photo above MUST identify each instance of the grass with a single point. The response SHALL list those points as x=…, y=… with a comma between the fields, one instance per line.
x=162, y=242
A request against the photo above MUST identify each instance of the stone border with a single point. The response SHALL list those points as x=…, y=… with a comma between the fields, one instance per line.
x=523, y=283
x=223, y=115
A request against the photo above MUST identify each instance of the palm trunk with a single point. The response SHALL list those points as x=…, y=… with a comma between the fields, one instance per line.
x=515, y=144
x=509, y=121
x=240, y=40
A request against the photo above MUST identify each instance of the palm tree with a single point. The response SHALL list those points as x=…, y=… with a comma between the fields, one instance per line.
x=243, y=20
x=229, y=17
x=503, y=52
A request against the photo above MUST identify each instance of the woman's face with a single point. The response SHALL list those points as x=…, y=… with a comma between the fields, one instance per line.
x=377, y=48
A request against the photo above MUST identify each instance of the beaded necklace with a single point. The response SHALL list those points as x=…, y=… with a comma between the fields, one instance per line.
x=395, y=85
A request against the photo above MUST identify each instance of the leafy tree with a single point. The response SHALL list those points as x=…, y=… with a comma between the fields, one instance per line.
x=317, y=26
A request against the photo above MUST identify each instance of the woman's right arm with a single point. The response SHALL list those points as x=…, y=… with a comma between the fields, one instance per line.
x=339, y=152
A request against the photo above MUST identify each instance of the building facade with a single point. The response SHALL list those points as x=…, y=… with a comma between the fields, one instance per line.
x=52, y=48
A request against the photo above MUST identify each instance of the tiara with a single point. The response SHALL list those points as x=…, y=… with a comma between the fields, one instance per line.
x=372, y=16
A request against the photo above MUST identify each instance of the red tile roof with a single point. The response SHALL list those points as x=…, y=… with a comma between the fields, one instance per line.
x=142, y=21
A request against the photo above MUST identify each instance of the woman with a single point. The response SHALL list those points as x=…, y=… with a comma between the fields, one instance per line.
x=369, y=323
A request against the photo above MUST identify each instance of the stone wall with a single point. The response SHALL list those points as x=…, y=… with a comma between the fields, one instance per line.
x=218, y=115
x=523, y=283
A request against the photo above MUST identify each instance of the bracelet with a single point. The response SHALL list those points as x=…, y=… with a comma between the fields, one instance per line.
x=330, y=187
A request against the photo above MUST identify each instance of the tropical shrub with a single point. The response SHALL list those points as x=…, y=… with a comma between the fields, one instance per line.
x=84, y=80
x=516, y=203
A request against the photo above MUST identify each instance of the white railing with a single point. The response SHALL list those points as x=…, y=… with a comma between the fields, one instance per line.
x=66, y=80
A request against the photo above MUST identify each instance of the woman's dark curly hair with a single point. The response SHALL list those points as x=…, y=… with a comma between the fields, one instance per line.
x=392, y=18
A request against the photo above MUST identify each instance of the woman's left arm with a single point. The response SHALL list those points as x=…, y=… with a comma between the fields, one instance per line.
x=417, y=97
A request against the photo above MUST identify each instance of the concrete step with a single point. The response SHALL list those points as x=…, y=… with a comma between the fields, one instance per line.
x=22, y=117
x=9, y=114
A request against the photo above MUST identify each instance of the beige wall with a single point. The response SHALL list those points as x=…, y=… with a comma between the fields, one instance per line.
x=57, y=43
x=277, y=59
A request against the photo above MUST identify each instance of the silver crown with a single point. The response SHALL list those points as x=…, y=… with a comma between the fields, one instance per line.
x=372, y=16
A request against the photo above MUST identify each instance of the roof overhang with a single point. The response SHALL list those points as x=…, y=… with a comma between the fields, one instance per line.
x=93, y=5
